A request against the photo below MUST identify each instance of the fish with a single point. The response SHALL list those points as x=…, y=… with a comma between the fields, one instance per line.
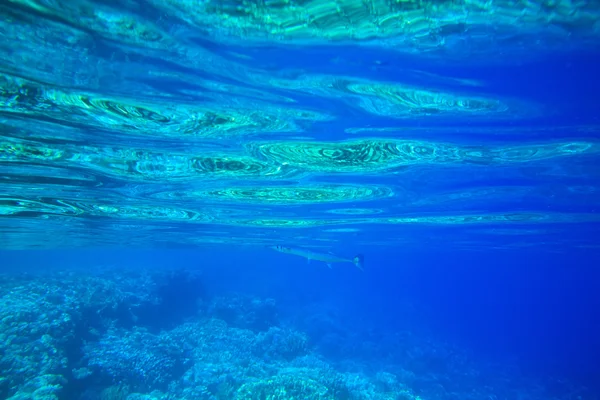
x=358, y=260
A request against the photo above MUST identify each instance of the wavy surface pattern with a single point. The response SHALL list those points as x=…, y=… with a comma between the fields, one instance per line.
x=329, y=123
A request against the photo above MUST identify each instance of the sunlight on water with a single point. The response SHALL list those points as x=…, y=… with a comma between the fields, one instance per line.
x=187, y=123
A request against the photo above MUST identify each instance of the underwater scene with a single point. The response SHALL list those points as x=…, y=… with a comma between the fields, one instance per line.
x=299, y=200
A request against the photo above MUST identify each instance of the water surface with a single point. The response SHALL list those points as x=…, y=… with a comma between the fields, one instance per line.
x=183, y=124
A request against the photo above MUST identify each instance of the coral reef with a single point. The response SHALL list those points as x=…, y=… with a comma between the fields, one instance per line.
x=284, y=387
x=244, y=311
x=85, y=336
x=137, y=356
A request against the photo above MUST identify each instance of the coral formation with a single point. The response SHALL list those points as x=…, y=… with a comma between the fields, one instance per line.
x=86, y=336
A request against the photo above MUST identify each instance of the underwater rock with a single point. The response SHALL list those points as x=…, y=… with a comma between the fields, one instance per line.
x=138, y=358
x=280, y=343
x=154, y=395
x=246, y=312
x=115, y=392
x=33, y=335
x=43, y=387
x=386, y=381
x=284, y=387
x=176, y=295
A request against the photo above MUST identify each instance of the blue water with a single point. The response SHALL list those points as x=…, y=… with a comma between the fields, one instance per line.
x=152, y=152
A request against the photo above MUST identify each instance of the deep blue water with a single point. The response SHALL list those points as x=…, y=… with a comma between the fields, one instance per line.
x=151, y=152
x=531, y=311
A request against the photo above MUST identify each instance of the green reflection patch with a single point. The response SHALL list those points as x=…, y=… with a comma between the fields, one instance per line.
x=148, y=213
x=285, y=195
x=229, y=117
x=401, y=25
x=22, y=151
x=351, y=156
x=398, y=100
x=158, y=167
x=470, y=219
x=281, y=223
x=143, y=164
x=233, y=166
x=116, y=24
x=370, y=155
x=33, y=208
x=355, y=211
